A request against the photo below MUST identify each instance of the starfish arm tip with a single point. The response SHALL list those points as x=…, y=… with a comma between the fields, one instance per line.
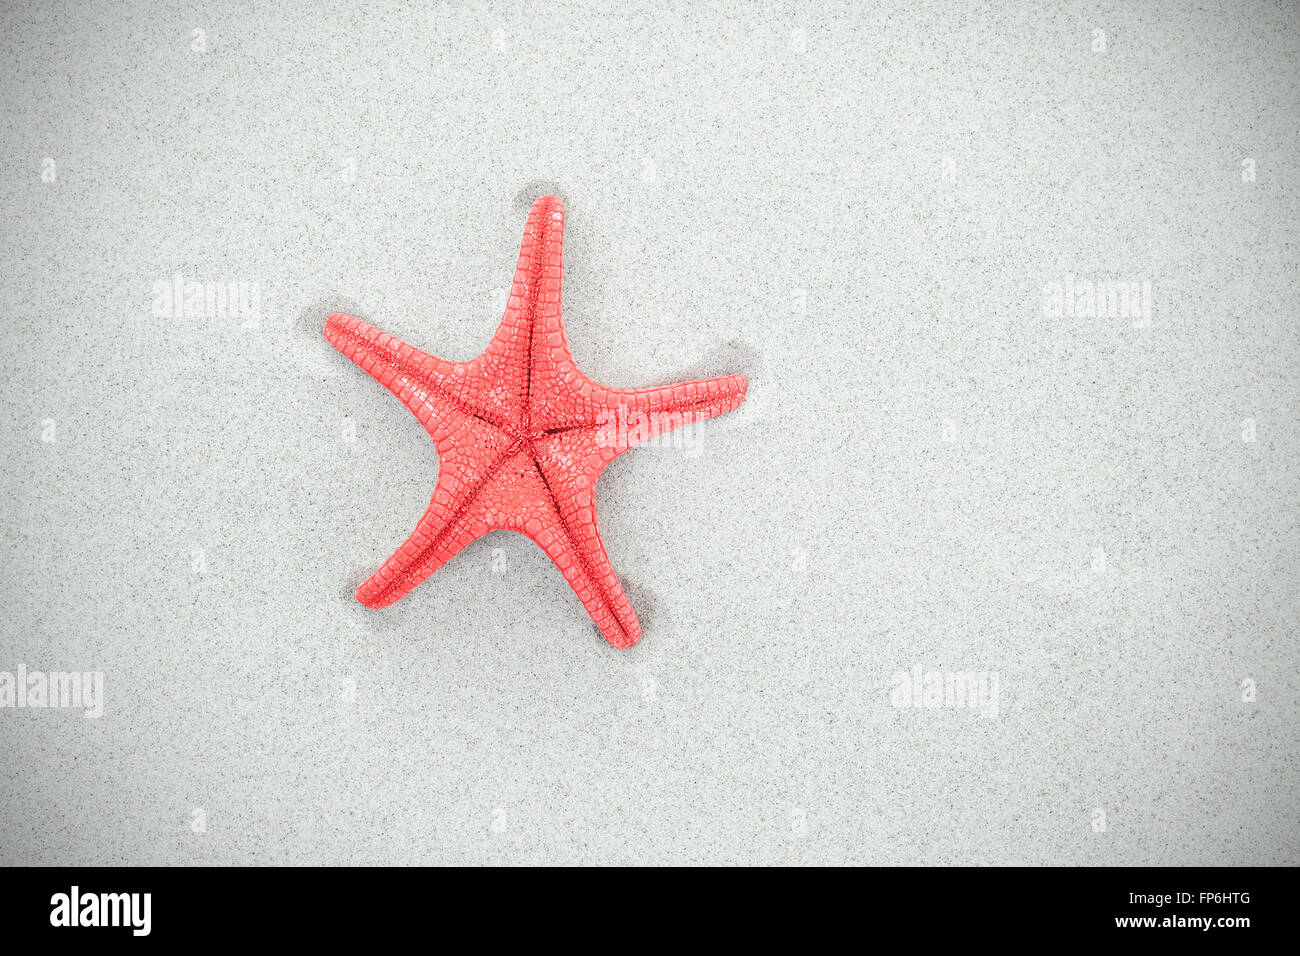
x=372, y=597
x=335, y=324
x=730, y=394
x=623, y=640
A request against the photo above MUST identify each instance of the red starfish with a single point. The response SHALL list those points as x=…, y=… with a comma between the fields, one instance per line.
x=522, y=435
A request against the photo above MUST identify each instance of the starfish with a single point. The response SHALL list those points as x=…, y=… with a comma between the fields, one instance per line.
x=522, y=435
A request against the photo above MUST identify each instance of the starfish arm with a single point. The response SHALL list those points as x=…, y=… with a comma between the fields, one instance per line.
x=506, y=365
x=429, y=386
x=436, y=540
x=614, y=420
x=558, y=394
x=580, y=555
x=568, y=533
x=516, y=494
x=462, y=510
x=642, y=414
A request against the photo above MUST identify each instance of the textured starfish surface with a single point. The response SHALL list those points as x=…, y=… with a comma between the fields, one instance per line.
x=522, y=435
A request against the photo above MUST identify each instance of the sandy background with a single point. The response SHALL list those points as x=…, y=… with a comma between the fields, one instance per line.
x=857, y=208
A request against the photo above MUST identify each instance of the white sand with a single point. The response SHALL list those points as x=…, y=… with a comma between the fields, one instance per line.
x=862, y=218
